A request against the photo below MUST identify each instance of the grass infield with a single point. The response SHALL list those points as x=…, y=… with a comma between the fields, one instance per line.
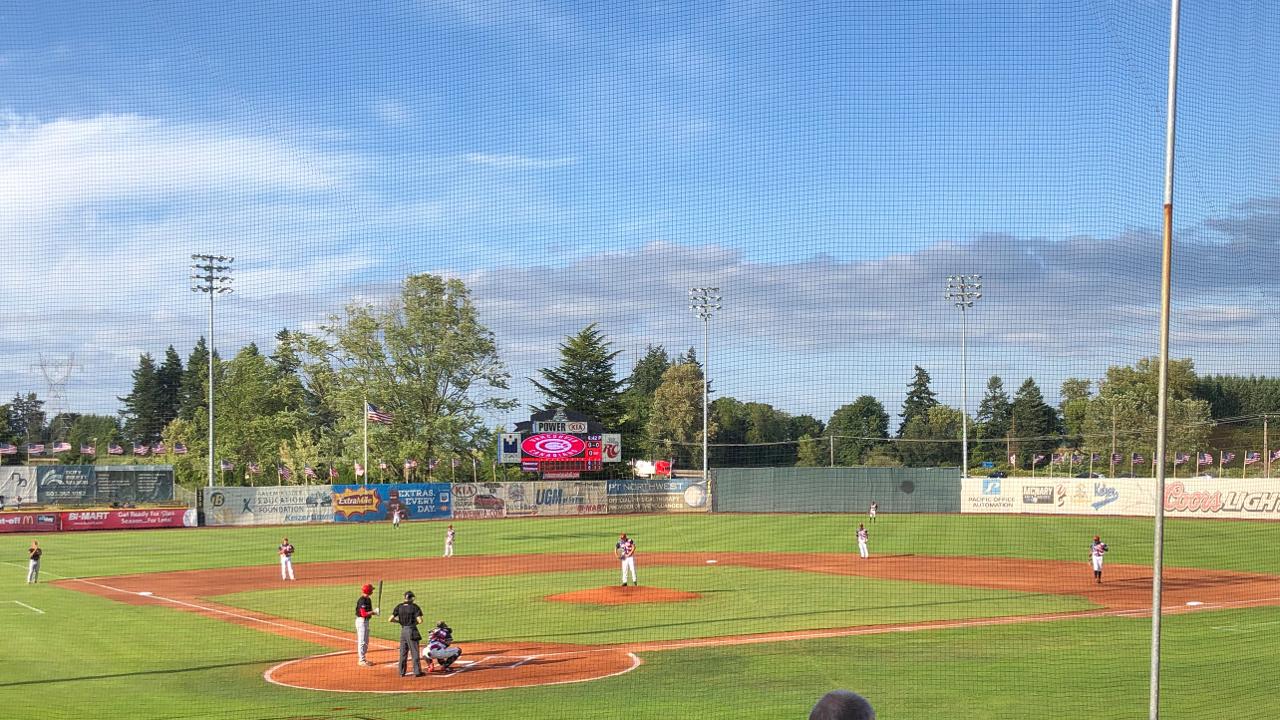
x=91, y=657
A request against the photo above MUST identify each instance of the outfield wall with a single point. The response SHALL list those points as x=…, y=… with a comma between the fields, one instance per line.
x=86, y=484
x=1223, y=498
x=836, y=490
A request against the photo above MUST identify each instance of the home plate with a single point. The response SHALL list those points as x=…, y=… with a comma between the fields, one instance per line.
x=145, y=593
x=1194, y=603
x=712, y=562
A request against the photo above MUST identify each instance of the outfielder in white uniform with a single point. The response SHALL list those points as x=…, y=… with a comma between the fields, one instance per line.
x=1096, y=551
x=862, y=540
x=448, y=542
x=871, y=511
x=286, y=559
x=625, y=551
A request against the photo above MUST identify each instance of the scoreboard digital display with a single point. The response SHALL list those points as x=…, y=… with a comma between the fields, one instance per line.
x=560, y=447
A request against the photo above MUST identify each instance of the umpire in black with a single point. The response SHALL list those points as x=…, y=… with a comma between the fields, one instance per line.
x=409, y=616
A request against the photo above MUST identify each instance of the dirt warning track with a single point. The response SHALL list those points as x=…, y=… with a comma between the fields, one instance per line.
x=498, y=665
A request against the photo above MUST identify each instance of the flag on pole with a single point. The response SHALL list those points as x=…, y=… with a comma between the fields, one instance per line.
x=157, y=449
x=1227, y=457
x=333, y=473
x=1138, y=459
x=431, y=464
x=35, y=448
x=1252, y=457
x=1013, y=459
x=8, y=449
x=1204, y=459
x=455, y=463
x=227, y=466
x=377, y=415
x=1116, y=458
x=1057, y=459
x=88, y=450
x=114, y=449
x=140, y=449
x=1036, y=460
x=309, y=471
x=1095, y=457
x=284, y=472
x=1275, y=454
x=1077, y=458
x=62, y=447
x=359, y=470
x=179, y=449
x=1180, y=458
x=255, y=468
x=382, y=464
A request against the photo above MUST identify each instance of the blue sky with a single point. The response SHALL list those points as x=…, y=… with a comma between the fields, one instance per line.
x=826, y=165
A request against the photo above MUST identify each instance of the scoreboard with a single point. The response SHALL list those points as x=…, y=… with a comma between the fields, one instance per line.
x=559, y=452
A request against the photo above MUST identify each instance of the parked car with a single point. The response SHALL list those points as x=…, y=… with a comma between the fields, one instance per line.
x=999, y=474
x=1099, y=476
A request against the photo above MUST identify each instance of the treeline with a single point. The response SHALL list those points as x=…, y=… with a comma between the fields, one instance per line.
x=427, y=361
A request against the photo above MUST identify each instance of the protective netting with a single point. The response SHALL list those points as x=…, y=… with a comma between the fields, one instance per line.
x=889, y=237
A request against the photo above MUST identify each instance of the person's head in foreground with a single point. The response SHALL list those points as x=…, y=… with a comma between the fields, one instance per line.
x=842, y=705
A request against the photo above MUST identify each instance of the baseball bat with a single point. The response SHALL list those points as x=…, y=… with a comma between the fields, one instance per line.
x=379, y=605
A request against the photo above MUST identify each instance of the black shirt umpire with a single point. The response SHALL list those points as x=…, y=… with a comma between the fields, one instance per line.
x=409, y=616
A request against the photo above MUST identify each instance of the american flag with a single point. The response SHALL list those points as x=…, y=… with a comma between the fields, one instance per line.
x=1056, y=459
x=1116, y=458
x=1252, y=457
x=382, y=464
x=1227, y=457
x=88, y=450
x=308, y=471
x=228, y=466
x=1204, y=459
x=456, y=462
x=157, y=449
x=377, y=415
x=333, y=473
x=1013, y=460
x=179, y=449
x=410, y=464
x=1181, y=458
x=8, y=449
x=1077, y=458
x=140, y=449
x=1095, y=457
x=35, y=448
x=62, y=447
x=114, y=449
x=359, y=470
x=1138, y=459
x=284, y=471
x=431, y=464
x=255, y=468
x=1275, y=454
x=1036, y=460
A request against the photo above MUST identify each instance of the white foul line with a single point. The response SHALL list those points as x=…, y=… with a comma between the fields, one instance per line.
x=35, y=609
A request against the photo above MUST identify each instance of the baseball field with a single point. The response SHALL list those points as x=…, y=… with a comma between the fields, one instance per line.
x=735, y=616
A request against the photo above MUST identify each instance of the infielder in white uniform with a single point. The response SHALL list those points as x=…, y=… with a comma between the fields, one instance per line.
x=286, y=559
x=448, y=542
x=862, y=540
x=625, y=551
x=1096, y=551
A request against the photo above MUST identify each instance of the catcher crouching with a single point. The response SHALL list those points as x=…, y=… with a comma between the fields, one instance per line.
x=440, y=649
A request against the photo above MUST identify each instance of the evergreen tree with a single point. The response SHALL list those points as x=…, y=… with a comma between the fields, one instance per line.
x=993, y=421
x=285, y=358
x=194, y=390
x=169, y=378
x=584, y=381
x=675, y=422
x=1035, y=423
x=142, y=406
x=26, y=417
x=637, y=399
x=858, y=428
x=919, y=398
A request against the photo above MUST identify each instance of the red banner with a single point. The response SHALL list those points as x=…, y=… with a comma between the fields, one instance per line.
x=132, y=519
x=28, y=522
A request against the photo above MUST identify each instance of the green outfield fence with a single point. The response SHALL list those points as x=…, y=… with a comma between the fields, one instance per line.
x=837, y=490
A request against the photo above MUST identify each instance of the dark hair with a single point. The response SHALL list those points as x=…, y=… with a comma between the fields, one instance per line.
x=408, y=595
x=842, y=705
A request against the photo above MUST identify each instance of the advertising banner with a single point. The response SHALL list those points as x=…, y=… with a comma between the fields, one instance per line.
x=657, y=495
x=66, y=484
x=1058, y=496
x=509, y=448
x=611, y=450
x=1221, y=498
x=28, y=522
x=370, y=503
x=18, y=486
x=278, y=505
x=134, y=483
x=529, y=499
x=132, y=519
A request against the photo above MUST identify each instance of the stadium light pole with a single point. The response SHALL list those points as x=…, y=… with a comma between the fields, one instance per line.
x=962, y=291
x=214, y=279
x=704, y=301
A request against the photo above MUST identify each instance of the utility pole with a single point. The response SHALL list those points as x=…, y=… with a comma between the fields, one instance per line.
x=214, y=279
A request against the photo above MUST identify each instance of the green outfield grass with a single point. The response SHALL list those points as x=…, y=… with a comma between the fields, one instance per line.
x=734, y=601
x=89, y=657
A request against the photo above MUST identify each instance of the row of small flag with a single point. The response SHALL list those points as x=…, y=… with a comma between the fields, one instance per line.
x=1202, y=459
x=138, y=449
x=283, y=471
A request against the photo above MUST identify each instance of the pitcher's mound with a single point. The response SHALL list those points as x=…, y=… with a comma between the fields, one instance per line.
x=618, y=595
